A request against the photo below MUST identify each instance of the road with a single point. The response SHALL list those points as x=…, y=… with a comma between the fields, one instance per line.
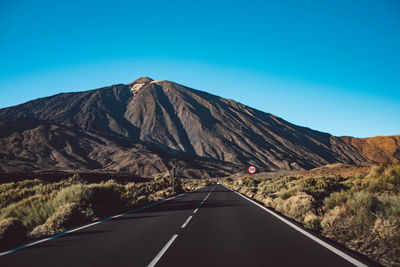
x=209, y=227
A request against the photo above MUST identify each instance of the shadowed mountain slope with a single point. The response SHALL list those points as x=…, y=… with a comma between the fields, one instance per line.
x=147, y=126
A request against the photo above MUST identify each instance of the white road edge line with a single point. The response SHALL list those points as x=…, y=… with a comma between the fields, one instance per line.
x=83, y=227
x=316, y=239
x=161, y=253
x=187, y=221
x=195, y=210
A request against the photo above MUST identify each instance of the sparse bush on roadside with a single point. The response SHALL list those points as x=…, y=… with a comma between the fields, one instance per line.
x=194, y=184
x=270, y=187
x=249, y=182
x=268, y=201
x=336, y=199
x=66, y=216
x=12, y=231
x=312, y=221
x=298, y=206
x=386, y=236
x=381, y=180
x=285, y=193
x=336, y=223
x=31, y=211
x=364, y=208
x=392, y=207
x=77, y=193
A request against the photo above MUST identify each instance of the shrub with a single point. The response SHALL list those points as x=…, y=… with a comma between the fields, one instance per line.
x=363, y=206
x=259, y=196
x=12, y=231
x=312, y=221
x=298, y=206
x=249, y=182
x=66, y=216
x=385, y=241
x=142, y=201
x=380, y=181
x=31, y=211
x=77, y=193
x=392, y=207
x=268, y=202
x=129, y=194
x=269, y=187
x=105, y=200
x=337, y=223
x=387, y=228
x=285, y=193
x=335, y=199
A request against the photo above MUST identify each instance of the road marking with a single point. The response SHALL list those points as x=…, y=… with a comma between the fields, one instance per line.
x=165, y=248
x=187, y=221
x=209, y=194
x=161, y=253
x=80, y=228
x=316, y=239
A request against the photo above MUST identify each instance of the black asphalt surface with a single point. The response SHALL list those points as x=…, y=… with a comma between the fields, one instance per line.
x=226, y=230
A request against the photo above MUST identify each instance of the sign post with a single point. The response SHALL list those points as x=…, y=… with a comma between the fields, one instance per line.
x=252, y=170
x=173, y=172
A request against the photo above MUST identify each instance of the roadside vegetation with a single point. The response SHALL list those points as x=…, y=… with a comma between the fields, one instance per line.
x=361, y=211
x=33, y=209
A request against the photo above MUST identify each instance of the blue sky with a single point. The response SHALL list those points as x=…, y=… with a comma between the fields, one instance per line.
x=329, y=65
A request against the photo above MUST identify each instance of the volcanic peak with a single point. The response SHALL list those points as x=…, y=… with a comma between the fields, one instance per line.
x=139, y=83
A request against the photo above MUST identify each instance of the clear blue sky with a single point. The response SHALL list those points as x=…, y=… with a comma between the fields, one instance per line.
x=328, y=65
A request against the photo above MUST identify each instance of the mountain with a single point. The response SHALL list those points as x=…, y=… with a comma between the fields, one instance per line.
x=148, y=126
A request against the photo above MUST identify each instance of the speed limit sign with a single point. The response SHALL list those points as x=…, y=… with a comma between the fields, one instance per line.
x=252, y=169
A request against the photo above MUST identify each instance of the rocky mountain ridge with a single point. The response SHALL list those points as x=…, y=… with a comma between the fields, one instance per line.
x=148, y=126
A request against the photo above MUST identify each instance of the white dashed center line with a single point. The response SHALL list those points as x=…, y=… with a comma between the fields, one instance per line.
x=187, y=221
x=165, y=248
x=161, y=253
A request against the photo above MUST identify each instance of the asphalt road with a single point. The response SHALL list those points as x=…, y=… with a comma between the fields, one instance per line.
x=210, y=227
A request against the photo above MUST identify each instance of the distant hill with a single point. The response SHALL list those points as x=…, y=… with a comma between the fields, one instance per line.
x=147, y=126
x=379, y=149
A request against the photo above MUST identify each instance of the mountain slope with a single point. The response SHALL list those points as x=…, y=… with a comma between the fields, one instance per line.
x=193, y=121
x=29, y=144
x=98, y=110
x=162, y=123
x=379, y=149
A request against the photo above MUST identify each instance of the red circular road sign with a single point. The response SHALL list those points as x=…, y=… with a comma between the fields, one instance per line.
x=252, y=169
